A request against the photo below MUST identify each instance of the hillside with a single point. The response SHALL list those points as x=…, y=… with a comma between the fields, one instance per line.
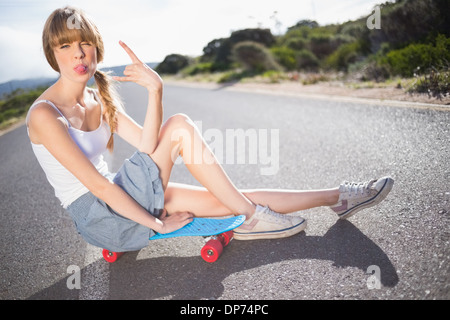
x=412, y=42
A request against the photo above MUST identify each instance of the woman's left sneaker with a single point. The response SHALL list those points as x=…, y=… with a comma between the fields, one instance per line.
x=357, y=196
x=268, y=224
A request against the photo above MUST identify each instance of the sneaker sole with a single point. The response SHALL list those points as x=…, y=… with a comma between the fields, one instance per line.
x=387, y=187
x=271, y=234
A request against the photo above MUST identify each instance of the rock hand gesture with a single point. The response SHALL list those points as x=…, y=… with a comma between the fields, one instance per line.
x=140, y=73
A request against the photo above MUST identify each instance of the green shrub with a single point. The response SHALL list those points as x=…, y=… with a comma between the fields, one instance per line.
x=435, y=84
x=306, y=60
x=414, y=57
x=254, y=57
x=345, y=55
x=356, y=29
x=418, y=57
x=322, y=45
x=411, y=21
x=285, y=57
x=371, y=70
x=17, y=103
x=202, y=67
x=296, y=43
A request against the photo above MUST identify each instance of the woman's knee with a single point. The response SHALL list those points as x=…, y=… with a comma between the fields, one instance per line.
x=180, y=127
x=180, y=121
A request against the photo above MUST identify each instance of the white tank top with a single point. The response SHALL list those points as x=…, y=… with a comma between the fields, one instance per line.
x=93, y=144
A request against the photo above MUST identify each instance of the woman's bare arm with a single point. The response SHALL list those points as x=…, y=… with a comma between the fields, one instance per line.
x=143, y=138
x=46, y=129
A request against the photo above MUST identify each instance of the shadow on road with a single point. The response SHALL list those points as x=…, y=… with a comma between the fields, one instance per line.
x=226, y=85
x=192, y=278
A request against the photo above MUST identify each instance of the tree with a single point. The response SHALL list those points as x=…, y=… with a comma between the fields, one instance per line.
x=172, y=64
x=219, y=51
x=262, y=36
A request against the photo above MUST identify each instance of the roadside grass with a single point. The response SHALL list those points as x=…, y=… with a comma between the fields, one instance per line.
x=413, y=85
x=14, y=106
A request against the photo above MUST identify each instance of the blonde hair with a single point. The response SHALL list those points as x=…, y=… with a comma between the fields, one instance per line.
x=69, y=24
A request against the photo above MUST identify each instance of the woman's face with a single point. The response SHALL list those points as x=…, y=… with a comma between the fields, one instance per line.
x=77, y=60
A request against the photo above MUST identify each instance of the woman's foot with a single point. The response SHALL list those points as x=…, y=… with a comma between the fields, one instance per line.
x=354, y=197
x=267, y=224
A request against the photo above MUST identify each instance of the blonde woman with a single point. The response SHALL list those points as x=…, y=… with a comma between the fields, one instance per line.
x=70, y=126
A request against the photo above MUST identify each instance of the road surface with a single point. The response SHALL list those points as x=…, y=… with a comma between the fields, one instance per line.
x=397, y=250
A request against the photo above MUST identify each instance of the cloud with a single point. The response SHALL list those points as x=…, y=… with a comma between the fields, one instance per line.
x=21, y=55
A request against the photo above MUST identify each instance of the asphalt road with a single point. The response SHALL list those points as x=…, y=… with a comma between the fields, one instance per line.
x=311, y=143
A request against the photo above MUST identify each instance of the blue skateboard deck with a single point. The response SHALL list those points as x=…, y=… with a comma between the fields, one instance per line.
x=198, y=227
x=204, y=227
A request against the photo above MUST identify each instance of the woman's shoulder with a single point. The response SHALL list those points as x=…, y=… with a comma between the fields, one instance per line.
x=41, y=118
x=43, y=109
x=45, y=99
x=42, y=106
x=41, y=114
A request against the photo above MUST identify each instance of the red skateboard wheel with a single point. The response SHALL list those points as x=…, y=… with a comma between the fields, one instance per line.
x=212, y=250
x=111, y=256
x=227, y=236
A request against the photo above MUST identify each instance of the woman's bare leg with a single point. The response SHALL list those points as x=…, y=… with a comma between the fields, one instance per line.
x=179, y=136
x=201, y=202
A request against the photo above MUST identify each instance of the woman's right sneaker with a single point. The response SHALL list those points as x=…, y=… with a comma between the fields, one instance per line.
x=354, y=197
x=267, y=224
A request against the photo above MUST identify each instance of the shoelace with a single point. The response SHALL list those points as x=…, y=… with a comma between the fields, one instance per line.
x=275, y=216
x=357, y=187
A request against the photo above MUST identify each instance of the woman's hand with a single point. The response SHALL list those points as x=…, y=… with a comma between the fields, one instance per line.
x=170, y=223
x=140, y=73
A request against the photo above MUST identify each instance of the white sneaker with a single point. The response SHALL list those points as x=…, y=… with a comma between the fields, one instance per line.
x=357, y=196
x=267, y=224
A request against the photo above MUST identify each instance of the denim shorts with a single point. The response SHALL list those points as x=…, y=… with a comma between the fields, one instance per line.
x=101, y=226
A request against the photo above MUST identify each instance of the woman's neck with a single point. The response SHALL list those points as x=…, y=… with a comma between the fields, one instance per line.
x=71, y=93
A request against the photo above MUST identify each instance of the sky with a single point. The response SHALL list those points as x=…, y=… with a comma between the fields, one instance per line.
x=156, y=28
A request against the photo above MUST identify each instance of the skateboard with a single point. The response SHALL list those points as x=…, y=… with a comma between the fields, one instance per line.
x=219, y=231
